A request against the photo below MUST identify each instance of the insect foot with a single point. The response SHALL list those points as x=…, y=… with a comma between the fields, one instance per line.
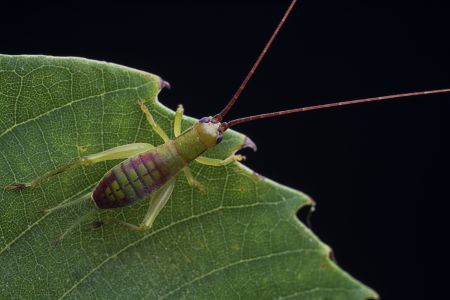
x=200, y=187
x=17, y=186
x=97, y=224
x=46, y=211
x=239, y=157
x=57, y=243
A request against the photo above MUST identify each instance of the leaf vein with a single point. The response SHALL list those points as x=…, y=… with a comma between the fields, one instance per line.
x=69, y=104
x=162, y=229
x=247, y=260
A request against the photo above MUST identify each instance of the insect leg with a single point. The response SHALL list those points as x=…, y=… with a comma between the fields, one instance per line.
x=76, y=223
x=120, y=152
x=219, y=162
x=177, y=131
x=178, y=118
x=70, y=203
x=157, y=201
x=192, y=181
x=152, y=121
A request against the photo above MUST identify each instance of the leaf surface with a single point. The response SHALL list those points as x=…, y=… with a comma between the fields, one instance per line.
x=239, y=240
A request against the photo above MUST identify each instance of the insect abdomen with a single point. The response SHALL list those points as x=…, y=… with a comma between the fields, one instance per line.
x=132, y=180
x=136, y=178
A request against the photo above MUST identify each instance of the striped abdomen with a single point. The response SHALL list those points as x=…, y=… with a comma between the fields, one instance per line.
x=139, y=176
x=136, y=178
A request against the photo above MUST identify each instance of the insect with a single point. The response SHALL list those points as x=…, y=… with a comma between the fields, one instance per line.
x=150, y=172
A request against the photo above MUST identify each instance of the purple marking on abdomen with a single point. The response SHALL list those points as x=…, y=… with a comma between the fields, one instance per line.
x=104, y=201
x=135, y=163
x=127, y=168
x=99, y=195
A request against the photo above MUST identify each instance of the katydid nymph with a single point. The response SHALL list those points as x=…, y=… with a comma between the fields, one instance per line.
x=150, y=172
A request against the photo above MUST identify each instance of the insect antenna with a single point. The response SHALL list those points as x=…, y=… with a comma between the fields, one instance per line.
x=225, y=110
x=238, y=92
x=329, y=105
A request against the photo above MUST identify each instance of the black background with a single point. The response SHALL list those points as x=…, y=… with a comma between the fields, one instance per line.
x=375, y=170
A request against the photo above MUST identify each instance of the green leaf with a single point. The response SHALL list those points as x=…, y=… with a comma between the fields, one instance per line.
x=240, y=240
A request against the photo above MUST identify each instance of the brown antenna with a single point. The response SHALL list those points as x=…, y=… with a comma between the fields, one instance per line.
x=236, y=95
x=316, y=107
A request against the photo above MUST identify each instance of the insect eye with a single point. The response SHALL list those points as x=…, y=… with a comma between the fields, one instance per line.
x=219, y=137
x=204, y=120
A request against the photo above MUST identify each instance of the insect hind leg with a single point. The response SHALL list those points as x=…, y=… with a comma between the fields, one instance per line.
x=80, y=199
x=74, y=224
x=120, y=152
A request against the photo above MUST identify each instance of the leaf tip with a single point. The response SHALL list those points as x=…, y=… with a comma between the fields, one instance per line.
x=164, y=84
x=373, y=296
x=248, y=143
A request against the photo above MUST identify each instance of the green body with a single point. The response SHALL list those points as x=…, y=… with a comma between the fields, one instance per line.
x=147, y=171
x=143, y=174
